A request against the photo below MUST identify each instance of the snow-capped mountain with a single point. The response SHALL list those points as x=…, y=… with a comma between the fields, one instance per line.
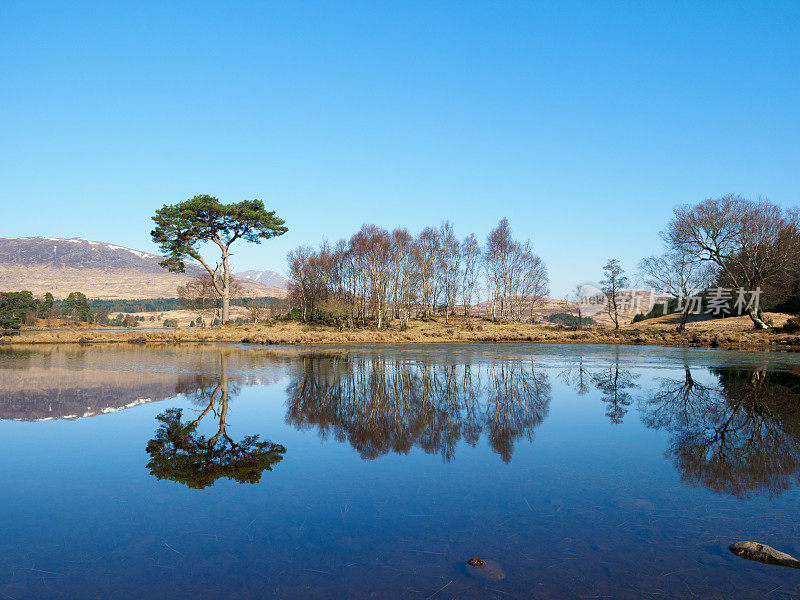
x=98, y=269
x=270, y=278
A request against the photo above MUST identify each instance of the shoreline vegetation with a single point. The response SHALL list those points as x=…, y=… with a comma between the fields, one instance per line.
x=729, y=333
x=721, y=257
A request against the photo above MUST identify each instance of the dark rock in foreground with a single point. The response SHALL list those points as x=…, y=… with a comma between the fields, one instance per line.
x=764, y=554
x=485, y=569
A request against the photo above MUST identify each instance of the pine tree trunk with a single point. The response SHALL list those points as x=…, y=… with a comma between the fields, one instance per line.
x=226, y=300
x=226, y=288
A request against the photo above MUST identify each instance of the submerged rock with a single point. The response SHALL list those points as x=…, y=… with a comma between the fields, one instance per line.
x=764, y=554
x=485, y=569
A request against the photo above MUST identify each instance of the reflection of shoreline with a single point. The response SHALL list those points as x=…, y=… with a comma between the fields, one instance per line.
x=739, y=435
x=740, y=335
x=381, y=405
x=74, y=382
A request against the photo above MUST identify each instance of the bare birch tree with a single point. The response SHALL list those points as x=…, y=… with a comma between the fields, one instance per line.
x=382, y=276
x=404, y=274
x=471, y=256
x=516, y=276
x=497, y=264
x=534, y=284
x=426, y=251
x=308, y=278
x=449, y=265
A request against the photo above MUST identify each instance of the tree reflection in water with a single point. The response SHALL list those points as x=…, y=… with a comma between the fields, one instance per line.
x=385, y=405
x=179, y=453
x=614, y=382
x=739, y=437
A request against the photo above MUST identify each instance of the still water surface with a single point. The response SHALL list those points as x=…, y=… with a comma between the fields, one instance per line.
x=224, y=472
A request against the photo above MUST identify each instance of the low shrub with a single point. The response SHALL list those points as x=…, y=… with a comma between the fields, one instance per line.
x=318, y=317
x=569, y=320
x=792, y=325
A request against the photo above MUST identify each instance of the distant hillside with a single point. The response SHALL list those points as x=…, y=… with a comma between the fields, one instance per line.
x=706, y=322
x=550, y=306
x=98, y=269
x=269, y=278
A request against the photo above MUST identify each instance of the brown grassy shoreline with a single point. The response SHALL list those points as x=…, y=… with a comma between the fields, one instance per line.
x=459, y=331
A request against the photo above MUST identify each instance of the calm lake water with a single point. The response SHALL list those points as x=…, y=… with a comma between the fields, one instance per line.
x=359, y=472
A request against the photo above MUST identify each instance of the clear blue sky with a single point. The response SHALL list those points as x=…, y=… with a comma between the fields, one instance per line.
x=582, y=123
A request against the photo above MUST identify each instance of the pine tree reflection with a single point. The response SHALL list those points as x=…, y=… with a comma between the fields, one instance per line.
x=739, y=437
x=384, y=405
x=179, y=453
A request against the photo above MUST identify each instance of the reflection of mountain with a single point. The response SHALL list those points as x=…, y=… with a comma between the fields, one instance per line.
x=740, y=437
x=383, y=405
x=60, y=382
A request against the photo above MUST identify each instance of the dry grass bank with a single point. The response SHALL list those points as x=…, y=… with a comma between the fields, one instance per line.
x=705, y=322
x=460, y=330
